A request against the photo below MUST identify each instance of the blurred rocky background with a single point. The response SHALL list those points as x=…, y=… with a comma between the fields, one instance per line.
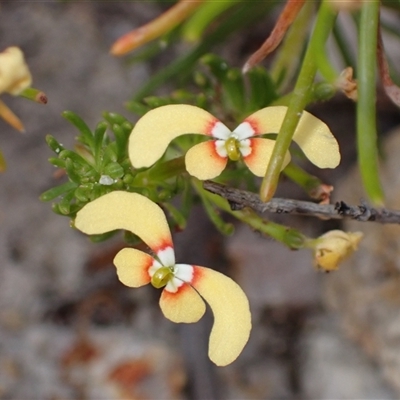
x=70, y=330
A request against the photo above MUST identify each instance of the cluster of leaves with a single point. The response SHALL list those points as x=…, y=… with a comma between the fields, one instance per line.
x=100, y=164
x=97, y=166
x=220, y=89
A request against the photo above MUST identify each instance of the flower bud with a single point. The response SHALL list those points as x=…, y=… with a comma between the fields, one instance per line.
x=14, y=73
x=333, y=247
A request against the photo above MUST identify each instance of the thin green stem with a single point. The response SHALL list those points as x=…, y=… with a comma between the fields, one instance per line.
x=325, y=20
x=35, y=95
x=287, y=60
x=290, y=237
x=366, y=109
x=196, y=25
x=305, y=180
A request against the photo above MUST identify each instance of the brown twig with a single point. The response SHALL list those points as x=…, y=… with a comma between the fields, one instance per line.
x=288, y=15
x=239, y=199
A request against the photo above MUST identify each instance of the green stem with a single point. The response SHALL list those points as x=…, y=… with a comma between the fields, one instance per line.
x=325, y=20
x=35, y=95
x=287, y=60
x=305, y=180
x=195, y=26
x=366, y=110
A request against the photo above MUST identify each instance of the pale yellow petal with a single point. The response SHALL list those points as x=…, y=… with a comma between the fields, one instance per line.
x=232, y=318
x=203, y=162
x=133, y=266
x=267, y=120
x=129, y=211
x=14, y=73
x=183, y=306
x=156, y=129
x=312, y=135
x=317, y=142
x=261, y=151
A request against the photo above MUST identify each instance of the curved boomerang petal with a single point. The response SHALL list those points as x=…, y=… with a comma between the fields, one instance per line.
x=129, y=211
x=232, y=318
x=156, y=129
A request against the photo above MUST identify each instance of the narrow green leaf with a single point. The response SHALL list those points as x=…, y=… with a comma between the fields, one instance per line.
x=82, y=193
x=99, y=141
x=57, y=162
x=261, y=90
x=54, y=192
x=110, y=153
x=64, y=206
x=114, y=118
x=86, y=136
x=137, y=107
x=233, y=89
x=73, y=175
x=114, y=170
x=121, y=140
x=217, y=65
x=155, y=101
x=54, y=144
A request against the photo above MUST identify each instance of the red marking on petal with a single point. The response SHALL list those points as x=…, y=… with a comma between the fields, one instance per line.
x=210, y=126
x=146, y=269
x=197, y=275
x=174, y=296
x=164, y=244
x=254, y=124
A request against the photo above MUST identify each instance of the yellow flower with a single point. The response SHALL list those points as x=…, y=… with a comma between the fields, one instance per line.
x=14, y=78
x=156, y=129
x=14, y=73
x=185, y=286
x=333, y=247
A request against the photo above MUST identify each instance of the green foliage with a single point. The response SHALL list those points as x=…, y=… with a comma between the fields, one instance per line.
x=220, y=89
x=99, y=163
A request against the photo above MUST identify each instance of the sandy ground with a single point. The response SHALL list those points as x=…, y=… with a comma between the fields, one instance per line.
x=70, y=330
